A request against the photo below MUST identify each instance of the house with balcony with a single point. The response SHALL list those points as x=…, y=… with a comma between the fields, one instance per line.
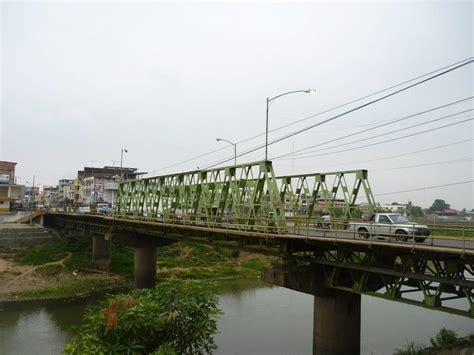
x=10, y=192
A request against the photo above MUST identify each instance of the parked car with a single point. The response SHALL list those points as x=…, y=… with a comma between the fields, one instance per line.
x=103, y=207
x=391, y=225
x=84, y=209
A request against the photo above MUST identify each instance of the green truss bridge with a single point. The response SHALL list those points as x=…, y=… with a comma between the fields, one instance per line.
x=248, y=207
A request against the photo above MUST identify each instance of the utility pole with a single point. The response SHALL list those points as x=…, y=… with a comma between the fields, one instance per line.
x=32, y=198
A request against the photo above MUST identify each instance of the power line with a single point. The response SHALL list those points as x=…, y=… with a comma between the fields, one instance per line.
x=467, y=60
x=427, y=164
x=393, y=156
x=379, y=126
x=379, y=135
x=426, y=188
x=346, y=112
x=356, y=100
x=386, y=141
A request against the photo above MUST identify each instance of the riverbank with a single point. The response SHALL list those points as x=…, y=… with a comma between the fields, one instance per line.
x=61, y=268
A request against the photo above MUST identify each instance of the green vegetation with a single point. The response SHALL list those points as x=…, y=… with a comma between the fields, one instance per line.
x=121, y=261
x=414, y=211
x=188, y=260
x=50, y=270
x=411, y=349
x=178, y=317
x=54, y=250
x=71, y=288
x=439, y=205
x=79, y=250
x=184, y=260
x=452, y=233
x=443, y=338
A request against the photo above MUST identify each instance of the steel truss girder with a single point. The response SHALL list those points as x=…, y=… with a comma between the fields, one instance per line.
x=246, y=196
x=434, y=279
x=313, y=187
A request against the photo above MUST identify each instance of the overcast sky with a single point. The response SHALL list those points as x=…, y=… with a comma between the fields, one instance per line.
x=81, y=81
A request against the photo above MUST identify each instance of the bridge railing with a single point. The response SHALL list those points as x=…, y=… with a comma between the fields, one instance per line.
x=337, y=230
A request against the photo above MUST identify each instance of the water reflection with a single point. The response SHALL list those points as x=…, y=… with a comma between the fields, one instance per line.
x=258, y=319
x=37, y=329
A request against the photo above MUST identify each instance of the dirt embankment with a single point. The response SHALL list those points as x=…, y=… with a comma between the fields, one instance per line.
x=16, y=278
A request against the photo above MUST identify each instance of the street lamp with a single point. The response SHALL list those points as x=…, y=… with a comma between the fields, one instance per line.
x=307, y=91
x=121, y=156
x=235, y=148
x=32, y=197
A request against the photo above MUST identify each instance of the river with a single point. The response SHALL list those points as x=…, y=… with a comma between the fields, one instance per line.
x=258, y=319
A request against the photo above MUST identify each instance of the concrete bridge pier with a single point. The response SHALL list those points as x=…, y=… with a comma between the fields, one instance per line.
x=336, y=324
x=144, y=271
x=101, y=251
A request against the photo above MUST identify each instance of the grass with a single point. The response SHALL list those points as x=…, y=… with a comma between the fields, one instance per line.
x=50, y=270
x=452, y=233
x=70, y=288
x=54, y=250
x=184, y=260
x=122, y=260
x=81, y=256
x=189, y=260
x=411, y=349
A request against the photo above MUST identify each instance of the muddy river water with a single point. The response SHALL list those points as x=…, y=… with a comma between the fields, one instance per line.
x=258, y=319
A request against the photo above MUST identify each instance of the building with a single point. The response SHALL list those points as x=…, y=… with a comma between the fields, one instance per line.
x=7, y=171
x=52, y=196
x=10, y=192
x=395, y=208
x=95, y=185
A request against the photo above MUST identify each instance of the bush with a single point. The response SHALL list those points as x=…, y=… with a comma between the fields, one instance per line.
x=444, y=337
x=411, y=349
x=175, y=317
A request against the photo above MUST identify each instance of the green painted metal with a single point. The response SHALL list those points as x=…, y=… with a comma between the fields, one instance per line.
x=243, y=196
x=407, y=275
x=307, y=194
x=246, y=196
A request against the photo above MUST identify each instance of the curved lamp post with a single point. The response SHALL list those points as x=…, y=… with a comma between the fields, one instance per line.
x=235, y=148
x=307, y=91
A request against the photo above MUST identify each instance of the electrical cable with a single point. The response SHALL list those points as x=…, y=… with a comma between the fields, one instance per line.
x=379, y=135
x=427, y=164
x=378, y=126
x=320, y=113
x=389, y=157
x=345, y=113
x=386, y=141
x=426, y=188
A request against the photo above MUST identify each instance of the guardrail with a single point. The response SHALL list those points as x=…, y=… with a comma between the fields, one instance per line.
x=338, y=230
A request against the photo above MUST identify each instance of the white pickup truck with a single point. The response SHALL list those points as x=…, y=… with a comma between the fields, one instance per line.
x=391, y=225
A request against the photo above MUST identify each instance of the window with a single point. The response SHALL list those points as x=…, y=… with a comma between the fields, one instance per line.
x=384, y=219
x=397, y=218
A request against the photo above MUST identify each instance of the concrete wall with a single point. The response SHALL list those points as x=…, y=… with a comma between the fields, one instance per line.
x=15, y=235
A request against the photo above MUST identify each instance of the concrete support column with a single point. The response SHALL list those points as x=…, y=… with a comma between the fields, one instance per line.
x=144, y=273
x=101, y=252
x=336, y=324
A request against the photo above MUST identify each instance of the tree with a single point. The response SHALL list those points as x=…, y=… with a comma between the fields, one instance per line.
x=439, y=205
x=415, y=211
x=176, y=317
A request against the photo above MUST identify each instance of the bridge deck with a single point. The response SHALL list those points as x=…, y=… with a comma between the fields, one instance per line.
x=454, y=246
